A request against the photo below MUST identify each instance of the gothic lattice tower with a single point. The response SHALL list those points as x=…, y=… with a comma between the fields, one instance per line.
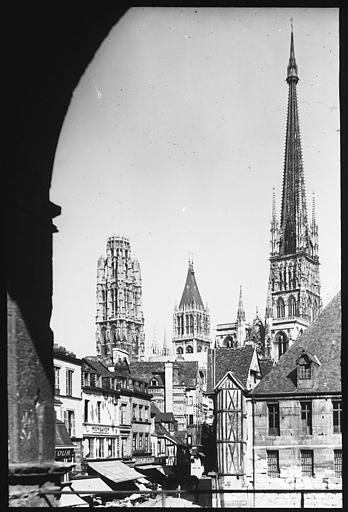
x=119, y=319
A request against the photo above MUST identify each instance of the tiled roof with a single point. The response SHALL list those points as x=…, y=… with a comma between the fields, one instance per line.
x=161, y=430
x=266, y=366
x=191, y=293
x=235, y=360
x=323, y=340
x=97, y=366
x=167, y=417
x=187, y=371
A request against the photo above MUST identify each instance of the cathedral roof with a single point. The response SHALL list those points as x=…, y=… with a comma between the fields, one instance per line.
x=191, y=294
x=322, y=339
x=235, y=360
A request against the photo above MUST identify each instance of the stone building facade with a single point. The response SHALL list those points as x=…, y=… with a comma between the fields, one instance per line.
x=67, y=397
x=119, y=319
x=297, y=411
x=293, y=299
x=191, y=319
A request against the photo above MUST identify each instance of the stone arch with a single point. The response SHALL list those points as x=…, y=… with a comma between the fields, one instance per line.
x=189, y=349
x=179, y=350
x=282, y=342
x=228, y=341
x=73, y=45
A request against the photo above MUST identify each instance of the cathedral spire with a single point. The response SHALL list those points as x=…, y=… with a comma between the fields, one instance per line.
x=191, y=294
x=293, y=224
x=240, y=312
x=313, y=210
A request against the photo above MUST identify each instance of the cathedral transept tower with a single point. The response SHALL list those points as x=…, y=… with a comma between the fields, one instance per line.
x=293, y=299
x=119, y=319
x=191, y=329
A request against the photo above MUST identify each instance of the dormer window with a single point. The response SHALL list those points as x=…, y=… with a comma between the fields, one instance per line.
x=306, y=364
x=305, y=370
x=154, y=383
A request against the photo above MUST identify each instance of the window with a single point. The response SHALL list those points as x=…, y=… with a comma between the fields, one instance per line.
x=134, y=412
x=134, y=445
x=273, y=419
x=123, y=446
x=307, y=463
x=273, y=463
x=70, y=422
x=337, y=416
x=338, y=463
x=305, y=371
x=179, y=350
x=56, y=380
x=69, y=374
x=292, y=306
x=140, y=441
x=90, y=454
x=199, y=349
x=86, y=411
x=190, y=400
x=123, y=414
x=111, y=447
x=190, y=419
x=154, y=383
x=100, y=446
x=282, y=342
x=98, y=411
x=140, y=413
x=189, y=349
x=146, y=413
x=280, y=308
x=146, y=443
x=306, y=418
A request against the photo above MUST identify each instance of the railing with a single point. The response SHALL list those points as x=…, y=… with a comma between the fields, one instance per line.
x=192, y=494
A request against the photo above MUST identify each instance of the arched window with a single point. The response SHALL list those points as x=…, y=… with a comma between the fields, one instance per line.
x=280, y=308
x=189, y=349
x=103, y=341
x=113, y=335
x=199, y=349
x=179, y=350
x=292, y=306
x=191, y=324
x=154, y=383
x=315, y=308
x=187, y=324
x=282, y=342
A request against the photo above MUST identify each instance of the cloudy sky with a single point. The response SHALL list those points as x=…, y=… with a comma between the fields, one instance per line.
x=174, y=138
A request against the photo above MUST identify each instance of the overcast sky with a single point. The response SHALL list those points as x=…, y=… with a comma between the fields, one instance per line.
x=174, y=138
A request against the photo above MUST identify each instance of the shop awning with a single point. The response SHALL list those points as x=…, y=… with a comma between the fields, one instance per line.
x=115, y=471
x=89, y=484
x=153, y=473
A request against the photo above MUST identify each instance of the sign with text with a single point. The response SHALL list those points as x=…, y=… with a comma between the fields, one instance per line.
x=64, y=453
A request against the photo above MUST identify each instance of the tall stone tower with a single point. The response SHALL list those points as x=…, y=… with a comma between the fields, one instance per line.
x=119, y=319
x=191, y=329
x=293, y=299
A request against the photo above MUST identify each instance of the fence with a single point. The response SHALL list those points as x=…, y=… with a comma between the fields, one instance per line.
x=194, y=495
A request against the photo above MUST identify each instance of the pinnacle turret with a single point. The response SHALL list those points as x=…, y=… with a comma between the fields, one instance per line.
x=240, y=312
x=292, y=71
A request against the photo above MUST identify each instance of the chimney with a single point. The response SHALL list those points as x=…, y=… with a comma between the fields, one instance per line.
x=168, y=368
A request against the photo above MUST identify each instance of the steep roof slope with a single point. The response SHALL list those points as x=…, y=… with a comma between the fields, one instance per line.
x=322, y=339
x=235, y=360
x=191, y=294
x=186, y=374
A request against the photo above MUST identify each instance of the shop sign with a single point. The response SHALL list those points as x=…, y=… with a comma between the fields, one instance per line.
x=64, y=453
x=100, y=430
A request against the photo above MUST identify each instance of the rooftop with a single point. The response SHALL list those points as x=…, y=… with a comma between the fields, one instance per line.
x=323, y=340
x=235, y=360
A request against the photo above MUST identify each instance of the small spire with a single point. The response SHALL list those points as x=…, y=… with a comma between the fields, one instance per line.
x=292, y=66
x=241, y=312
